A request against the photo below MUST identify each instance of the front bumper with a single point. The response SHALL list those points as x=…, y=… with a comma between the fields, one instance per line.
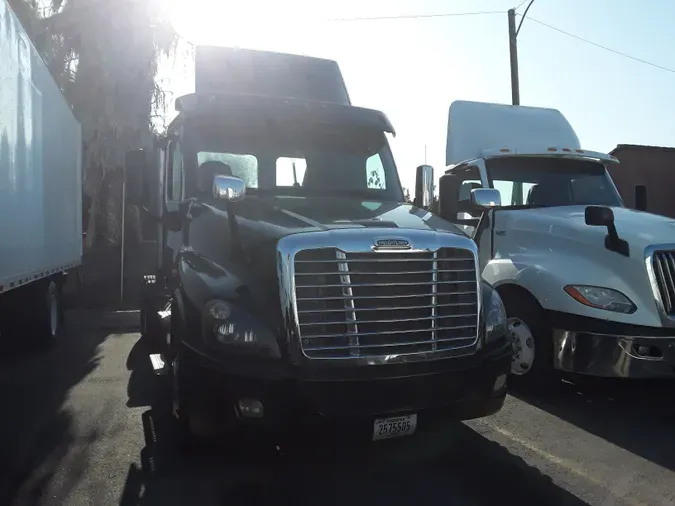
x=615, y=355
x=290, y=400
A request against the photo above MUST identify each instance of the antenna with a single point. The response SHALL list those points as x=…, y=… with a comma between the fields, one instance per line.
x=425, y=154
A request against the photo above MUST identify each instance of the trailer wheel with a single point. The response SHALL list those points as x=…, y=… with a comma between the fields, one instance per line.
x=532, y=365
x=46, y=325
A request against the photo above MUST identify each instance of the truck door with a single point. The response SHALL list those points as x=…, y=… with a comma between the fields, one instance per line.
x=464, y=216
x=173, y=196
x=516, y=189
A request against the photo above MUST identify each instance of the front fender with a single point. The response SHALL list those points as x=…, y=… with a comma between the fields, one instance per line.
x=545, y=273
x=202, y=280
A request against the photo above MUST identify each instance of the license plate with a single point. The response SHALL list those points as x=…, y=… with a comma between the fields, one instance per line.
x=396, y=426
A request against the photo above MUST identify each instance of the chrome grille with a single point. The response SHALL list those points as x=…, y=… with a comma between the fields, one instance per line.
x=663, y=265
x=377, y=304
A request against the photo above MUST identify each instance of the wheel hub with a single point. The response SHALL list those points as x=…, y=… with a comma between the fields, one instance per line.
x=523, y=346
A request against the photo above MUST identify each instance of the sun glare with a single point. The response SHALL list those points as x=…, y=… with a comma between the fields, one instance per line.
x=236, y=24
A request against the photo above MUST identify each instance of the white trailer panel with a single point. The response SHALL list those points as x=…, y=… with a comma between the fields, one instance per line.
x=40, y=165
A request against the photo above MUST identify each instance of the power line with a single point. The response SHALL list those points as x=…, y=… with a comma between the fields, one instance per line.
x=640, y=60
x=520, y=5
x=385, y=18
x=410, y=16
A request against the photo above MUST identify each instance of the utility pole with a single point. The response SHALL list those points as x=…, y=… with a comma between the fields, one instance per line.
x=513, y=52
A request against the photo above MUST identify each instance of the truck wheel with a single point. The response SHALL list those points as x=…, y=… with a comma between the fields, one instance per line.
x=182, y=385
x=187, y=388
x=151, y=328
x=46, y=325
x=532, y=363
x=180, y=411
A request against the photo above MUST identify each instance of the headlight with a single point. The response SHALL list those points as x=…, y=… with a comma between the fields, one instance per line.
x=601, y=298
x=232, y=330
x=495, y=316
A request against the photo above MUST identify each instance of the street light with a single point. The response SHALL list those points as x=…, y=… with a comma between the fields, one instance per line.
x=513, y=50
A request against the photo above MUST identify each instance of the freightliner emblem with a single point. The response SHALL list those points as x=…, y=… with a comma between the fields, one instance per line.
x=392, y=244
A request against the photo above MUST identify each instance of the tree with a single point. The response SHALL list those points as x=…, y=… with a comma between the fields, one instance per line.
x=104, y=56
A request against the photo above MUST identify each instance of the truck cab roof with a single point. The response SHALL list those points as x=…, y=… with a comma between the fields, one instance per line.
x=274, y=109
x=486, y=130
x=267, y=86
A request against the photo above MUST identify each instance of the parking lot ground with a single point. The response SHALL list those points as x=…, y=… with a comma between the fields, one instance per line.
x=87, y=423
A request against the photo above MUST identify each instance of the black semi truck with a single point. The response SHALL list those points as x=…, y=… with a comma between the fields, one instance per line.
x=294, y=284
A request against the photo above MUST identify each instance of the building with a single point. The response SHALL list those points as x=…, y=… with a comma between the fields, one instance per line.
x=651, y=166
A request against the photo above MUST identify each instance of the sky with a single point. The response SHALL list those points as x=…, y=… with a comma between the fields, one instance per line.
x=412, y=69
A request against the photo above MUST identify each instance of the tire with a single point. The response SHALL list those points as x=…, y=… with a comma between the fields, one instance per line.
x=532, y=365
x=182, y=383
x=46, y=325
x=189, y=407
x=180, y=412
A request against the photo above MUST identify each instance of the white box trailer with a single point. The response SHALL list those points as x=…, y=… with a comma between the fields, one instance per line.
x=40, y=188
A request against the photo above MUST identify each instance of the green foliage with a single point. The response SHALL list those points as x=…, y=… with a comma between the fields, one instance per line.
x=104, y=56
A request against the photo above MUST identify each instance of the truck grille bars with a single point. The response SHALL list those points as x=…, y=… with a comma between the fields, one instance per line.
x=663, y=269
x=382, y=304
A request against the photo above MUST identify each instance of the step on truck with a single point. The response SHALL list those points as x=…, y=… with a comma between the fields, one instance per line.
x=40, y=190
x=294, y=285
x=588, y=284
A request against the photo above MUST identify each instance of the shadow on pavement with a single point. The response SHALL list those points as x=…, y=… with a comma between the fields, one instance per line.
x=468, y=470
x=143, y=386
x=637, y=415
x=36, y=426
x=449, y=465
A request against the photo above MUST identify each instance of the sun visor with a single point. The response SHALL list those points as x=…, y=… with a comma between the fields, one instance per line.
x=253, y=72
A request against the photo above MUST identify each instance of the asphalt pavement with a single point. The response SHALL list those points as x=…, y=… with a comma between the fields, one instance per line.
x=86, y=423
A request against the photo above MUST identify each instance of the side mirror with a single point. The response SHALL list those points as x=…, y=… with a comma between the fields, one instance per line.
x=485, y=198
x=640, y=197
x=136, y=165
x=448, y=193
x=599, y=216
x=229, y=188
x=424, y=186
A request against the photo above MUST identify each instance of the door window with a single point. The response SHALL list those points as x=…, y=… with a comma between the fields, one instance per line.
x=290, y=171
x=470, y=180
x=514, y=193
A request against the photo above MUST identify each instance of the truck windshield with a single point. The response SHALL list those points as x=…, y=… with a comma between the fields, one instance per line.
x=303, y=161
x=549, y=182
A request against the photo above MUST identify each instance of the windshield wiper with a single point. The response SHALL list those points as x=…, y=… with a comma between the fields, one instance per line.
x=320, y=192
x=525, y=206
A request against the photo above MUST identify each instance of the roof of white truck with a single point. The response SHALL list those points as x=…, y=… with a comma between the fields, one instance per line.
x=480, y=129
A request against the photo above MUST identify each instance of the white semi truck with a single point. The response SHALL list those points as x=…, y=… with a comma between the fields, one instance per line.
x=588, y=285
x=40, y=189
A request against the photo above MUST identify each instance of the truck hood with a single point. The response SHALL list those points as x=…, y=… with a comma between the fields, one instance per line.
x=545, y=249
x=262, y=221
x=640, y=229
x=270, y=218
